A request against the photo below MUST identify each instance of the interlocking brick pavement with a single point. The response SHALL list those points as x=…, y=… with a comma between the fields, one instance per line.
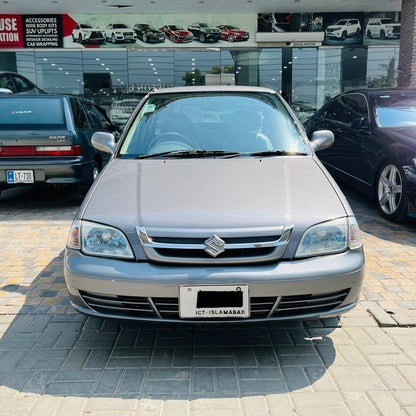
x=54, y=361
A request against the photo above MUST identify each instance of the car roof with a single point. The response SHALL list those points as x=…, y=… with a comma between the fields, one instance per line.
x=373, y=91
x=217, y=88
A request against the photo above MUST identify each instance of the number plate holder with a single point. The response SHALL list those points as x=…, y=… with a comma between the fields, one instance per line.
x=20, y=176
x=214, y=302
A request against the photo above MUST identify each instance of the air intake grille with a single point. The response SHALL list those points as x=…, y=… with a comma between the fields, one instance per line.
x=310, y=304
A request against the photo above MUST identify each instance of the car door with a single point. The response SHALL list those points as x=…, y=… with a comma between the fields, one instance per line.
x=347, y=117
x=356, y=137
x=98, y=121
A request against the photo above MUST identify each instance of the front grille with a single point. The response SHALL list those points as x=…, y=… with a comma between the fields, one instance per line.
x=309, y=304
x=260, y=307
x=96, y=35
x=213, y=249
x=128, y=35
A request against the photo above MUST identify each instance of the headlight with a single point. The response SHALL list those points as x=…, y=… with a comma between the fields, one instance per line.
x=329, y=238
x=99, y=240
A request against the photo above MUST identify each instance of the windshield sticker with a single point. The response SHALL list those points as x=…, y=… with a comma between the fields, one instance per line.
x=150, y=108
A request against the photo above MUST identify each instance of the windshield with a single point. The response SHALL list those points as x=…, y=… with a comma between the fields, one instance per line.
x=341, y=23
x=119, y=26
x=22, y=113
x=395, y=110
x=228, y=122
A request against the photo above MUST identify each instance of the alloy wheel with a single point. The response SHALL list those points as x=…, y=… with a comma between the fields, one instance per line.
x=390, y=189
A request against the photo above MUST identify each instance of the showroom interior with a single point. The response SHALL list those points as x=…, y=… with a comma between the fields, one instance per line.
x=307, y=50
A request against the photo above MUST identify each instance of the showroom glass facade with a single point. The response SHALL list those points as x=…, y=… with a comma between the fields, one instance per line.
x=307, y=77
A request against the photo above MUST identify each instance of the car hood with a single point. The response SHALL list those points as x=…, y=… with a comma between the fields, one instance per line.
x=181, y=32
x=335, y=27
x=241, y=32
x=213, y=194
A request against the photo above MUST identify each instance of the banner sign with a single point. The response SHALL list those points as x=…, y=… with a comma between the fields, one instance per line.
x=341, y=29
x=31, y=31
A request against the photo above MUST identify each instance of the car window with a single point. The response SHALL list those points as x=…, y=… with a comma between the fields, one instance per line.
x=31, y=113
x=395, y=110
x=78, y=112
x=6, y=82
x=22, y=84
x=213, y=121
x=97, y=118
x=335, y=110
x=355, y=108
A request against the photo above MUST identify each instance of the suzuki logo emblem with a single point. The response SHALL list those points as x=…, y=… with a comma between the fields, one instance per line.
x=214, y=246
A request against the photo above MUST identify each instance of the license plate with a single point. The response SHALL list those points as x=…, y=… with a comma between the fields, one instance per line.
x=214, y=302
x=20, y=176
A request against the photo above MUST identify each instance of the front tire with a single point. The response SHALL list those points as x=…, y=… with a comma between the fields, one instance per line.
x=369, y=35
x=202, y=38
x=113, y=39
x=391, y=192
x=382, y=34
x=344, y=35
x=230, y=38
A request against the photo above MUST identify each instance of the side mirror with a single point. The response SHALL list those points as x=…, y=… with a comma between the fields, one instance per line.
x=322, y=139
x=104, y=142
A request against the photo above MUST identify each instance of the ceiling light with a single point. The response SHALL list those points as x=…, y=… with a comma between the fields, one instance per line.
x=45, y=59
x=66, y=73
x=156, y=73
x=60, y=69
x=53, y=64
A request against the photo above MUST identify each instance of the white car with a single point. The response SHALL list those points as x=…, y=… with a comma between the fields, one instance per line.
x=119, y=32
x=343, y=29
x=382, y=28
x=84, y=33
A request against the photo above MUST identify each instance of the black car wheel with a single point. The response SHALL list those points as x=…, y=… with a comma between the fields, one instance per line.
x=382, y=34
x=202, y=38
x=344, y=35
x=230, y=38
x=392, y=192
x=144, y=38
x=369, y=35
x=113, y=38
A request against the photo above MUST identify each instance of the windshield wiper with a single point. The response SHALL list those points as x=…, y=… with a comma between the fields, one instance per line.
x=191, y=153
x=277, y=153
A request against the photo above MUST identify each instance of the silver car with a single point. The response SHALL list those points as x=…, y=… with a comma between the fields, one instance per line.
x=214, y=208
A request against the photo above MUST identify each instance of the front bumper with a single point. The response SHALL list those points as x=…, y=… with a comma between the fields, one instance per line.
x=311, y=288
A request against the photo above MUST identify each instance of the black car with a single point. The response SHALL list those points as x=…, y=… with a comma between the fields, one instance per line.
x=204, y=33
x=46, y=139
x=148, y=34
x=375, y=145
x=17, y=84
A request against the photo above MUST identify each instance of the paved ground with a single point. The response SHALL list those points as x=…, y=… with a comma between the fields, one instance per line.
x=54, y=361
